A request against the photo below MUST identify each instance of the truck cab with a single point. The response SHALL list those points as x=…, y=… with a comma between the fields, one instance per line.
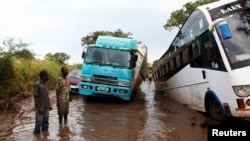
x=109, y=68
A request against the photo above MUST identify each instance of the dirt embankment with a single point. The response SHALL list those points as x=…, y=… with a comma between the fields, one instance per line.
x=23, y=105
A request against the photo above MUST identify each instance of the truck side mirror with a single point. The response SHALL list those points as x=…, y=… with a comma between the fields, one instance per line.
x=134, y=58
x=83, y=54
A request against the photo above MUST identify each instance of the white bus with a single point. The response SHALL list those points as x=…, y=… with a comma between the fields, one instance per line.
x=207, y=66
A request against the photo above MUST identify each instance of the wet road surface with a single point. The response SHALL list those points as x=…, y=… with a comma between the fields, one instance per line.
x=149, y=117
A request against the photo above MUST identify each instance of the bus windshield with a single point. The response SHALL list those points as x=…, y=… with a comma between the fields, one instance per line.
x=107, y=56
x=237, y=48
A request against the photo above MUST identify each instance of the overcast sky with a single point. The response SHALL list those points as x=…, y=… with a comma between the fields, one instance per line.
x=58, y=25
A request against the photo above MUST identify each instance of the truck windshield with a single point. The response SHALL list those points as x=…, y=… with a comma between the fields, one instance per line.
x=237, y=48
x=107, y=56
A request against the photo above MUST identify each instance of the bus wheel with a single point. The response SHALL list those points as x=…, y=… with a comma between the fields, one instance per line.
x=215, y=110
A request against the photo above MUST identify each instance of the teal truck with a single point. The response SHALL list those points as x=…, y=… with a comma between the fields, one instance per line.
x=114, y=67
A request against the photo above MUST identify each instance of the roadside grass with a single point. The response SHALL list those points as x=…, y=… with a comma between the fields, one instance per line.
x=26, y=73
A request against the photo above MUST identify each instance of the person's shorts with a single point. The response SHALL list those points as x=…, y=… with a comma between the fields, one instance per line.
x=63, y=108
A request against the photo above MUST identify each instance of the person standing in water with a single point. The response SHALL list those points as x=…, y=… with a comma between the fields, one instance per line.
x=42, y=103
x=63, y=96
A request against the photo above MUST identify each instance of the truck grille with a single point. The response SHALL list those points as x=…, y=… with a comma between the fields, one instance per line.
x=104, y=80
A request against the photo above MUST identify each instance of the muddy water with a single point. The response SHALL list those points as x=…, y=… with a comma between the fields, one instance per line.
x=149, y=117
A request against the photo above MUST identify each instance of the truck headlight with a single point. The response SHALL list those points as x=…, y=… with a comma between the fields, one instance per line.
x=242, y=91
x=124, y=84
x=84, y=78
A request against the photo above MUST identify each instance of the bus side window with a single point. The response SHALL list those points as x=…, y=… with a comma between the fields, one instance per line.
x=179, y=59
x=197, y=60
x=211, y=52
x=163, y=71
x=196, y=48
x=185, y=56
x=209, y=55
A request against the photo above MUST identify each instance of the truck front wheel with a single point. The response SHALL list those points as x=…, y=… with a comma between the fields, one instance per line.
x=86, y=98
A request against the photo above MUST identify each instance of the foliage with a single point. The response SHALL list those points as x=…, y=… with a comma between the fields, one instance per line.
x=27, y=73
x=17, y=49
x=155, y=62
x=19, y=70
x=74, y=66
x=7, y=78
x=8, y=86
x=149, y=68
x=58, y=57
x=179, y=16
x=92, y=37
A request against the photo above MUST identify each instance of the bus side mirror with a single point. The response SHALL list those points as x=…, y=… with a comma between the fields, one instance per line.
x=225, y=30
x=223, y=27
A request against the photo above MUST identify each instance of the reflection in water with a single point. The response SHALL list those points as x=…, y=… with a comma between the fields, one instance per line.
x=72, y=131
x=64, y=133
x=148, y=117
x=113, y=120
x=155, y=129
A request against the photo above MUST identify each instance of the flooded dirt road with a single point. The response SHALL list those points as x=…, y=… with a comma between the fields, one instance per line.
x=149, y=117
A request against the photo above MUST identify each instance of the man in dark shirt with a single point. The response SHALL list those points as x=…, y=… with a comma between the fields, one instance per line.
x=42, y=103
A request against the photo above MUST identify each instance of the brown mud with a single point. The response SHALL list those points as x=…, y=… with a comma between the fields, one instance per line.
x=22, y=107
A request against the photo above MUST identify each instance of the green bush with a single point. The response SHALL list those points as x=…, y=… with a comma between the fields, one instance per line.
x=27, y=72
x=7, y=79
x=18, y=76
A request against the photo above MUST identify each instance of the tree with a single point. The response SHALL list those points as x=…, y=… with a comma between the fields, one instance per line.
x=92, y=37
x=149, y=68
x=58, y=57
x=178, y=17
x=8, y=85
x=17, y=49
x=25, y=54
x=7, y=81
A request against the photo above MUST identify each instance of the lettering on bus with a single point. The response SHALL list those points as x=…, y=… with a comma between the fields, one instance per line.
x=231, y=8
x=193, y=27
x=201, y=23
x=191, y=33
x=226, y=10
